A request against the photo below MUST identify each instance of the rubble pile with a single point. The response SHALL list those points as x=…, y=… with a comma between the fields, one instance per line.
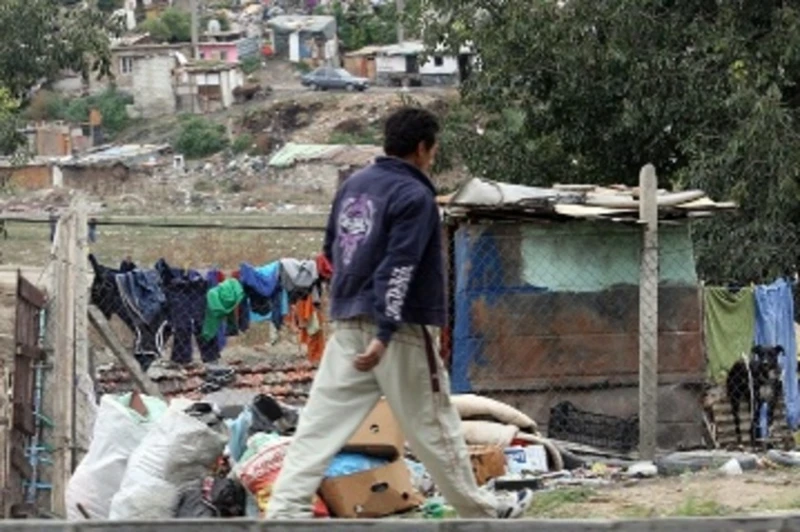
x=150, y=459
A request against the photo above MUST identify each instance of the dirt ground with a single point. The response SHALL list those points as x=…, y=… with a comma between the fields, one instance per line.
x=700, y=494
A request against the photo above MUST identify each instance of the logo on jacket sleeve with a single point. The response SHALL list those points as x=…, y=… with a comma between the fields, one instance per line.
x=356, y=219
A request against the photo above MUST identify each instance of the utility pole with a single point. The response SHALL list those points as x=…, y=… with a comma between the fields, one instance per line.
x=400, y=8
x=195, y=50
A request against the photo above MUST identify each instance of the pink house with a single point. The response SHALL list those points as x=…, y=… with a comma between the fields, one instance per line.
x=227, y=52
x=228, y=47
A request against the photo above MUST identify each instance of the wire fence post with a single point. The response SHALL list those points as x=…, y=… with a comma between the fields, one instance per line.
x=63, y=294
x=648, y=314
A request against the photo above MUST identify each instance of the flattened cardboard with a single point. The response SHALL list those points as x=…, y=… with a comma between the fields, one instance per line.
x=488, y=462
x=379, y=434
x=375, y=493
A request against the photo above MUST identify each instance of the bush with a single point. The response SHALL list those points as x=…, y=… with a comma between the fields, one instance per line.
x=46, y=105
x=157, y=28
x=111, y=103
x=243, y=143
x=200, y=137
x=250, y=64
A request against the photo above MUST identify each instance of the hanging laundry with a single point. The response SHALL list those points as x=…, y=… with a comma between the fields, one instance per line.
x=186, y=298
x=775, y=326
x=263, y=290
x=105, y=294
x=729, y=327
x=300, y=279
x=324, y=267
x=144, y=300
x=278, y=313
x=221, y=304
x=213, y=278
x=308, y=320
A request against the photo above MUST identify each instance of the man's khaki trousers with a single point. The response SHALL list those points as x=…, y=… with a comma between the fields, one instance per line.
x=417, y=387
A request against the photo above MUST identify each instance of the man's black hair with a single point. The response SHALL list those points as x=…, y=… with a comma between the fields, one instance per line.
x=406, y=128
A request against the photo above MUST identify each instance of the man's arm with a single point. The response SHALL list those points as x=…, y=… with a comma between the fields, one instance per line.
x=410, y=231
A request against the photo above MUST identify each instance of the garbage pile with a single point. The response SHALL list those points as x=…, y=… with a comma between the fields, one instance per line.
x=152, y=460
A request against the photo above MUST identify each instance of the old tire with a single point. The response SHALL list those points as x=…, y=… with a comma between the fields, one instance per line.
x=350, y=87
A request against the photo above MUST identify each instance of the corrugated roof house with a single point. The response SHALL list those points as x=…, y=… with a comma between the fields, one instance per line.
x=545, y=297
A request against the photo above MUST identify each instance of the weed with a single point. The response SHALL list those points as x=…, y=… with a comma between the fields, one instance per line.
x=694, y=507
x=352, y=139
x=243, y=143
x=550, y=503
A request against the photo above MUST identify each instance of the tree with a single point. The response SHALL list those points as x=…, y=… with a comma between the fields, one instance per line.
x=172, y=26
x=10, y=137
x=588, y=91
x=108, y=6
x=41, y=38
x=361, y=24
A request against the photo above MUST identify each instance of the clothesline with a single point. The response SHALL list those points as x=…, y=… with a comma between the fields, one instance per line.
x=211, y=305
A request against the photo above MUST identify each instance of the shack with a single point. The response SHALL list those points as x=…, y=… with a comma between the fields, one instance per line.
x=300, y=38
x=545, y=301
x=321, y=167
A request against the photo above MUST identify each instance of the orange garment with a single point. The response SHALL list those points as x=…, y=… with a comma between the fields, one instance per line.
x=305, y=315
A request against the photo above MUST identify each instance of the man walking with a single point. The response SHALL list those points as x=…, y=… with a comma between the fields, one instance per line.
x=387, y=303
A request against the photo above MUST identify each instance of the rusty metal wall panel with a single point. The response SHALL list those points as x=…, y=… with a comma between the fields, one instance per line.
x=509, y=334
x=565, y=338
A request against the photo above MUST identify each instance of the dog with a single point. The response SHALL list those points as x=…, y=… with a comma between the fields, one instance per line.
x=754, y=382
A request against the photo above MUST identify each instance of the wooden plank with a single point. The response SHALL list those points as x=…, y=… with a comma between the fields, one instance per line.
x=28, y=292
x=20, y=463
x=30, y=351
x=101, y=325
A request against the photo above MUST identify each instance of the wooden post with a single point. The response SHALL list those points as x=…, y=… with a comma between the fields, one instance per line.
x=648, y=314
x=63, y=360
x=80, y=406
x=102, y=326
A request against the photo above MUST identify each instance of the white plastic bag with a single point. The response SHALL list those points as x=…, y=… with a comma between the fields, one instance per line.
x=117, y=432
x=179, y=448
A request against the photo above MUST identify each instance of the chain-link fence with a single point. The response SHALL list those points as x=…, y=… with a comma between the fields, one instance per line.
x=546, y=317
x=553, y=317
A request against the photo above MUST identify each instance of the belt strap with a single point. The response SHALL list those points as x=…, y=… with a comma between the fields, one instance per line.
x=430, y=354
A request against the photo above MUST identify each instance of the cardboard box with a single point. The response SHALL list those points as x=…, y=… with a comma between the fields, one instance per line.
x=379, y=434
x=375, y=493
x=488, y=462
x=532, y=458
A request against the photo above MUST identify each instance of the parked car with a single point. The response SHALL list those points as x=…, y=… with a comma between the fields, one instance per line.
x=325, y=78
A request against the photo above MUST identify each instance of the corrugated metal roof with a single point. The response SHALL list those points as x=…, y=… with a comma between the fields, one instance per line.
x=492, y=198
x=314, y=23
x=293, y=153
x=403, y=48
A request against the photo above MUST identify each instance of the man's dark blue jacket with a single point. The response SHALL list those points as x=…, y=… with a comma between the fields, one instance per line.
x=384, y=239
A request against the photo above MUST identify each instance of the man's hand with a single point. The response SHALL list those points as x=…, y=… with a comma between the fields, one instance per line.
x=371, y=357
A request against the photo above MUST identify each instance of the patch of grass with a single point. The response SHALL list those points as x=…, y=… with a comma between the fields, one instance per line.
x=352, y=139
x=695, y=507
x=243, y=143
x=638, y=511
x=551, y=503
